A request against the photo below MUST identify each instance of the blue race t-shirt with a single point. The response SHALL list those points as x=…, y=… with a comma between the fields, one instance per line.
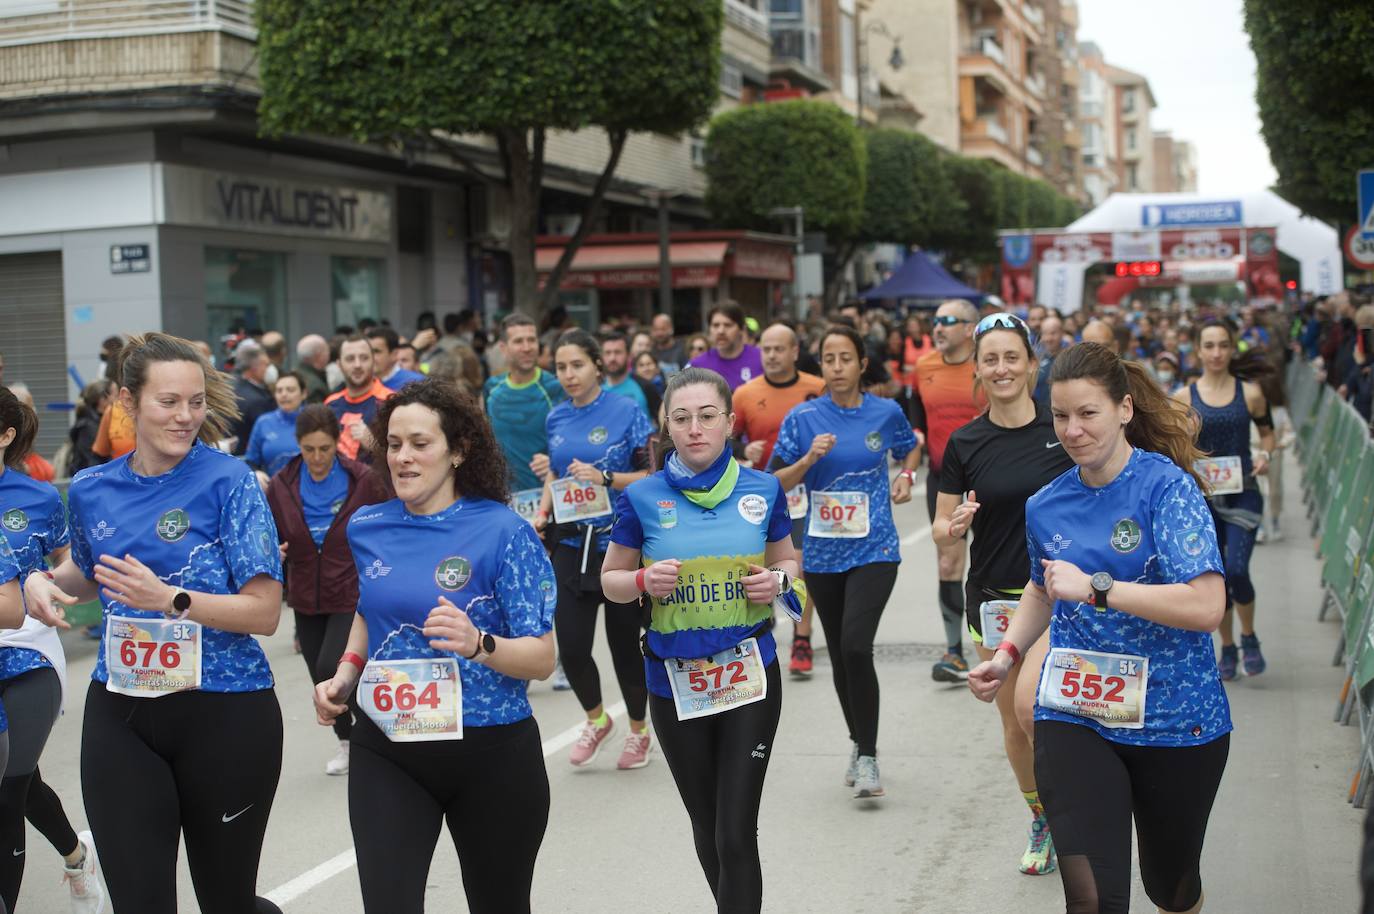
x=9, y=570
x=401, y=377
x=321, y=501
x=629, y=389
x=34, y=523
x=857, y=463
x=1149, y=525
x=204, y=525
x=709, y=611
x=272, y=443
x=480, y=555
x=517, y=413
x=605, y=433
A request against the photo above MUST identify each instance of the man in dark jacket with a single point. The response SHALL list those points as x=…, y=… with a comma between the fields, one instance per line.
x=250, y=389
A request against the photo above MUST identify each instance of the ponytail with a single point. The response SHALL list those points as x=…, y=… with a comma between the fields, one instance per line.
x=18, y=415
x=141, y=352
x=1159, y=423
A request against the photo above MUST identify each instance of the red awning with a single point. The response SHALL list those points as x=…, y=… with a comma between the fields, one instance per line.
x=695, y=265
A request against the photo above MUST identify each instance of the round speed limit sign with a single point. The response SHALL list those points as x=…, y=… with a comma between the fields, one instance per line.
x=1358, y=251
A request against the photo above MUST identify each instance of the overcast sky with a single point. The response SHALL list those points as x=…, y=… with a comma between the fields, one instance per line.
x=1197, y=57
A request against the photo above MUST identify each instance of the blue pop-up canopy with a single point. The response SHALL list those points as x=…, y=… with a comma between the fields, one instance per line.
x=921, y=277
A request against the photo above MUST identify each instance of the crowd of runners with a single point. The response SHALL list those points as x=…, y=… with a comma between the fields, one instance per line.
x=447, y=512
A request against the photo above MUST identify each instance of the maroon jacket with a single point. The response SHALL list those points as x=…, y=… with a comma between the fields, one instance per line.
x=320, y=579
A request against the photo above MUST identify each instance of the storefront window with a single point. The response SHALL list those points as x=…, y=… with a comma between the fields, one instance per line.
x=244, y=289
x=358, y=289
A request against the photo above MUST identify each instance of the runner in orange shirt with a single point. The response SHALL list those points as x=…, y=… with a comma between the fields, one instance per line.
x=356, y=405
x=760, y=406
x=944, y=400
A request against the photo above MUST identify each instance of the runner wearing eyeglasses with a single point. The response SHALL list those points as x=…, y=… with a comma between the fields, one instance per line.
x=838, y=445
x=943, y=400
x=992, y=466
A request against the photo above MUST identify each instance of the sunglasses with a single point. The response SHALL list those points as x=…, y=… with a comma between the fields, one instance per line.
x=1001, y=322
x=949, y=320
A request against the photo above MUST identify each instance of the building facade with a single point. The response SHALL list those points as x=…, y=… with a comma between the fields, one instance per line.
x=1175, y=164
x=1134, y=102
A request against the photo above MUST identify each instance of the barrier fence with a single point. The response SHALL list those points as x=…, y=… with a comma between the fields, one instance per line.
x=1338, y=486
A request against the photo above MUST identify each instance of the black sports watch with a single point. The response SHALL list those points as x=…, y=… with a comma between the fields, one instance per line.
x=607, y=478
x=486, y=646
x=181, y=603
x=1101, y=583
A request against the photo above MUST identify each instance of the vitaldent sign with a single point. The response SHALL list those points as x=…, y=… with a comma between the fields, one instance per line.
x=193, y=196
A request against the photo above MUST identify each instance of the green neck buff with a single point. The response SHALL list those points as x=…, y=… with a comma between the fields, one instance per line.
x=709, y=498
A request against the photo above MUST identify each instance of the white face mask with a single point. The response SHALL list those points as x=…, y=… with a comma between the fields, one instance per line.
x=1165, y=377
x=271, y=379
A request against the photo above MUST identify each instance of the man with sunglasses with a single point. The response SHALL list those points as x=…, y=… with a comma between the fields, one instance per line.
x=943, y=401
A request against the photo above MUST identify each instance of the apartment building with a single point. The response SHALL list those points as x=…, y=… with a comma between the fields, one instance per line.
x=1175, y=164
x=1097, y=122
x=1057, y=128
x=1130, y=94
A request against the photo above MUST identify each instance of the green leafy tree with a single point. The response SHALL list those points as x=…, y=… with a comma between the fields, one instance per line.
x=981, y=190
x=411, y=73
x=1315, y=68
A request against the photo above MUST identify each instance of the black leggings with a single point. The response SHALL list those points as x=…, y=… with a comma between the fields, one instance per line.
x=323, y=637
x=575, y=628
x=850, y=604
x=202, y=766
x=1092, y=787
x=32, y=702
x=719, y=763
x=491, y=788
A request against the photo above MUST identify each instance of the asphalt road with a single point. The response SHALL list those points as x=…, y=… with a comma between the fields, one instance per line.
x=945, y=839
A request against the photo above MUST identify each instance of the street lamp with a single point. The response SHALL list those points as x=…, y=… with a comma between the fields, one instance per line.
x=895, y=60
x=799, y=214
x=665, y=265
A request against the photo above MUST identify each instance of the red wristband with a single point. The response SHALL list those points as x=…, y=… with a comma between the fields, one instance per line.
x=1010, y=649
x=639, y=579
x=350, y=657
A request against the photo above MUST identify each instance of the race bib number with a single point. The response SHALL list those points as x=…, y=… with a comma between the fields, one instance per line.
x=839, y=515
x=731, y=679
x=574, y=500
x=996, y=617
x=797, y=502
x=526, y=503
x=1223, y=474
x=1107, y=688
x=146, y=658
x=413, y=701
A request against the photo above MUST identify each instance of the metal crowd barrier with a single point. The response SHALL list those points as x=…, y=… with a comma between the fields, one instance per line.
x=1338, y=486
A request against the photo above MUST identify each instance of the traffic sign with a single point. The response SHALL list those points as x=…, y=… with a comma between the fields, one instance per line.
x=1359, y=250
x=1365, y=186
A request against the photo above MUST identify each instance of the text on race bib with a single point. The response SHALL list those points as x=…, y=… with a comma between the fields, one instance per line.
x=797, y=503
x=730, y=679
x=1107, y=688
x=1223, y=474
x=996, y=616
x=417, y=700
x=526, y=503
x=574, y=500
x=839, y=515
x=147, y=658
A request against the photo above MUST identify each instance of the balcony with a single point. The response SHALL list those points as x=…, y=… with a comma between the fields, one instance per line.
x=985, y=137
x=1073, y=138
x=67, y=47
x=797, y=56
x=1034, y=15
x=746, y=18
x=1035, y=157
x=1092, y=111
x=987, y=46
x=1068, y=13
x=1036, y=84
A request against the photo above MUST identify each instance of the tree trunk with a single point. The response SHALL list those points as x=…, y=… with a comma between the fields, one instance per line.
x=832, y=285
x=589, y=214
x=524, y=210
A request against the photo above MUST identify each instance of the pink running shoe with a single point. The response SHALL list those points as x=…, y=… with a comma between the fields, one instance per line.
x=589, y=742
x=636, y=751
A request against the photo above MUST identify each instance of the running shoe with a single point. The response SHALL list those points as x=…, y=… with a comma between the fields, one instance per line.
x=866, y=783
x=1226, y=665
x=338, y=765
x=801, y=657
x=1261, y=536
x=589, y=742
x=1039, y=859
x=560, y=679
x=83, y=880
x=1250, y=655
x=951, y=668
x=636, y=751
x=1275, y=531
x=852, y=771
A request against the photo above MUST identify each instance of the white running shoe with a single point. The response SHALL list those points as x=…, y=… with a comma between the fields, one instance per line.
x=83, y=880
x=866, y=782
x=338, y=765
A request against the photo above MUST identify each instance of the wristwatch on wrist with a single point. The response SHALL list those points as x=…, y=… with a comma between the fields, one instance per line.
x=784, y=580
x=181, y=605
x=1101, y=583
x=607, y=478
x=486, y=645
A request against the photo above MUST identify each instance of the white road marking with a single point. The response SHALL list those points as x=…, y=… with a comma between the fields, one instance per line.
x=289, y=891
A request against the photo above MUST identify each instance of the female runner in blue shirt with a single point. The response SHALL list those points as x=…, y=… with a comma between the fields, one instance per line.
x=600, y=441
x=182, y=734
x=33, y=674
x=1132, y=721
x=1226, y=398
x=838, y=445
x=272, y=442
x=455, y=611
x=695, y=538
